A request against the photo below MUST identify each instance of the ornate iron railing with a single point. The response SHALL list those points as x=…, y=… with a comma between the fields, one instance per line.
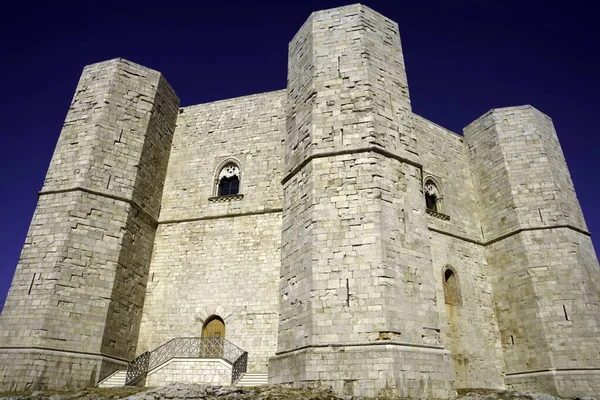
x=137, y=368
x=192, y=347
x=239, y=367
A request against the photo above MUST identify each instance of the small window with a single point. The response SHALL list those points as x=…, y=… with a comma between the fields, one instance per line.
x=434, y=205
x=433, y=200
x=451, y=287
x=229, y=180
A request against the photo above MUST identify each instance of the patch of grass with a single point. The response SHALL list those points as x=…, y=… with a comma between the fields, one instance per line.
x=90, y=392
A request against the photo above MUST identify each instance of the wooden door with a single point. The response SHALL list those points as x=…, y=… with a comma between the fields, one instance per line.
x=214, y=328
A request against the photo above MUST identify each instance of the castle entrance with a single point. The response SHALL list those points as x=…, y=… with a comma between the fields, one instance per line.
x=213, y=336
x=214, y=327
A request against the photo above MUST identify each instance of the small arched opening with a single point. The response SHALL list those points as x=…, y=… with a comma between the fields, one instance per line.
x=451, y=287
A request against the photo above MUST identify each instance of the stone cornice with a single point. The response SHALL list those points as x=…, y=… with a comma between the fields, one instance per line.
x=507, y=235
x=62, y=351
x=219, y=216
x=153, y=219
x=370, y=149
x=365, y=344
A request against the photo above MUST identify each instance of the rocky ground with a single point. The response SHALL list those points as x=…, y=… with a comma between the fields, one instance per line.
x=204, y=392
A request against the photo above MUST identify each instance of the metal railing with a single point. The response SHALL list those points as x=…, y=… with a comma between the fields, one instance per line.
x=137, y=368
x=191, y=347
x=239, y=367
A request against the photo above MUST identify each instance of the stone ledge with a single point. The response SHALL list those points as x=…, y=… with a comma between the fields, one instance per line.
x=226, y=198
x=437, y=214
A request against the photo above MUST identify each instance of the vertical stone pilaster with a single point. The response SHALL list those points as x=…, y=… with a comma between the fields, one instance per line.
x=356, y=263
x=73, y=310
x=544, y=272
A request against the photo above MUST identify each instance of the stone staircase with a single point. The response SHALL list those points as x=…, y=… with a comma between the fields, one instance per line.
x=115, y=379
x=253, y=380
x=118, y=379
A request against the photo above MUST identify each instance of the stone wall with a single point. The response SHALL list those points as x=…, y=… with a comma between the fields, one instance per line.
x=216, y=267
x=520, y=172
x=326, y=266
x=566, y=381
x=444, y=158
x=220, y=256
x=469, y=328
x=80, y=282
x=356, y=258
x=185, y=370
x=375, y=370
x=247, y=129
x=30, y=369
x=543, y=269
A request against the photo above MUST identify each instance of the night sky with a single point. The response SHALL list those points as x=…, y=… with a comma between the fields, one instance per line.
x=462, y=59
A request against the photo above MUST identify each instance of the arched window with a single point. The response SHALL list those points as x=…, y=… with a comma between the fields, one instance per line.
x=214, y=326
x=433, y=198
x=228, y=181
x=451, y=287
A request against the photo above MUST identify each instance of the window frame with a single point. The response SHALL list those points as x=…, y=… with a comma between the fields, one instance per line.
x=439, y=211
x=217, y=179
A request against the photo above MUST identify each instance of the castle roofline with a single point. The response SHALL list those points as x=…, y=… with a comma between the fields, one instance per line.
x=235, y=99
x=505, y=109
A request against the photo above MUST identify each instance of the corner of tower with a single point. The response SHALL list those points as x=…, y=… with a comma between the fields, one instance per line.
x=496, y=114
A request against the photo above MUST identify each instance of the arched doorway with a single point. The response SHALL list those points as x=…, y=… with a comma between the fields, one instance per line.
x=214, y=326
x=213, y=336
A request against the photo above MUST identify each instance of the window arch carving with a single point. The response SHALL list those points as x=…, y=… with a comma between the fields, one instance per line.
x=228, y=180
x=451, y=286
x=432, y=191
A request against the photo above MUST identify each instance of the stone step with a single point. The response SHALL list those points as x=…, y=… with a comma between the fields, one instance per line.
x=115, y=379
x=253, y=380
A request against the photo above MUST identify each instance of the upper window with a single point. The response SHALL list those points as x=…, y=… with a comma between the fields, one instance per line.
x=229, y=180
x=433, y=199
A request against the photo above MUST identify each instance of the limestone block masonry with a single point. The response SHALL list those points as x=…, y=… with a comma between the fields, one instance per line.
x=327, y=230
x=213, y=372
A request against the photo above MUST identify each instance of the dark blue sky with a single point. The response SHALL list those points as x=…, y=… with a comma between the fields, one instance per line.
x=462, y=59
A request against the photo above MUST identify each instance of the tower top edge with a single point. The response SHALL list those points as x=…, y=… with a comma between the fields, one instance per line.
x=495, y=111
x=123, y=61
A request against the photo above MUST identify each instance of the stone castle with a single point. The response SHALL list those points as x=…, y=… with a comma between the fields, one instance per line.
x=325, y=229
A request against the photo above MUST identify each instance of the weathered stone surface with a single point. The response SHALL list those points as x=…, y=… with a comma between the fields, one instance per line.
x=542, y=266
x=214, y=372
x=182, y=391
x=79, y=288
x=220, y=258
x=362, y=247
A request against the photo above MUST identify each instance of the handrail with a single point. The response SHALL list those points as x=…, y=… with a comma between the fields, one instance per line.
x=137, y=368
x=239, y=367
x=189, y=347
